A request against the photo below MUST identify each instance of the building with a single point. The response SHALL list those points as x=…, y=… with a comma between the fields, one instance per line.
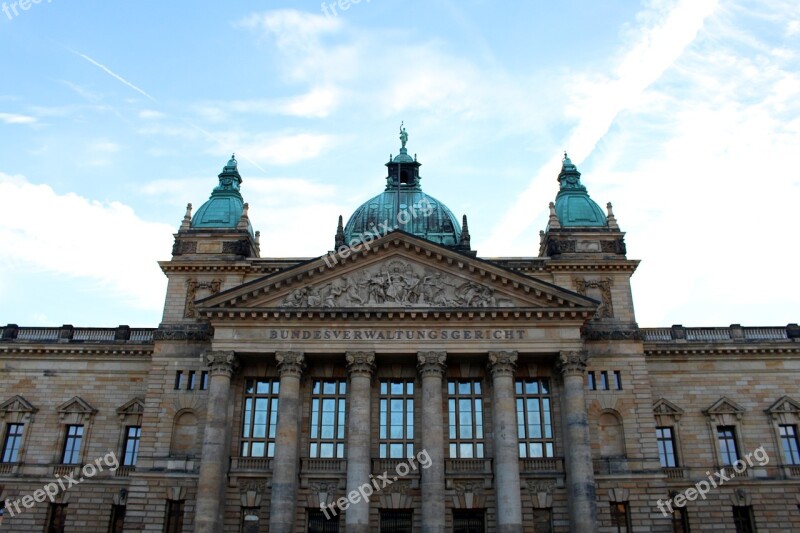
x=400, y=383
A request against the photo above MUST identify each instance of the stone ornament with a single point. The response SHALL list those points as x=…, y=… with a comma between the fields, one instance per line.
x=290, y=363
x=606, y=309
x=502, y=363
x=431, y=363
x=360, y=363
x=573, y=363
x=222, y=363
x=205, y=288
x=397, y=282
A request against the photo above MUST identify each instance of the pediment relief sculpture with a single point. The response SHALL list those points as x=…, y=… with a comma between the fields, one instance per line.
x=396, y=283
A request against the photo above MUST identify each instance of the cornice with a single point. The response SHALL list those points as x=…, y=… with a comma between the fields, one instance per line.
x=684, y=350
x=72, y=350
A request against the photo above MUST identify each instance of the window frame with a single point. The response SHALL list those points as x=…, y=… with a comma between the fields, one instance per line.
x=386, y=398
x=477, y=422
x=728, y=439
x=791, y=456
x=136, y=440
x=15, y=439
x=316, y=438
x=621, y=510
x=673, y=444
x=543, y=398
x=69, y=447
x=744, y=520
x=271, y=399
x=174, y=512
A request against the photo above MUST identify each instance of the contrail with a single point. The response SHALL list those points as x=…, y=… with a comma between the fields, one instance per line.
x=115, y=75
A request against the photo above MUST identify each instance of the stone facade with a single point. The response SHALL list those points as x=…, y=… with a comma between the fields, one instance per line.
x=268, y=399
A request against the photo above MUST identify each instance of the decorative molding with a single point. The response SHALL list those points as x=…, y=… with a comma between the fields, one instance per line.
x=250, y=497
x=176, y=493
x=618, y=495
x=469, y=494
x=606, y=309
x=221, y=363
x=396, y=496
x=322, y=492
x=396, y=282
x=502, y=363
x=360, y=363
x=592, y=332
x=75, y=411
x=290, y=363
x=663, y=408
x=573, y=363
x=784, y=410
x=181, y=247
x=192, y=286
x=134, y=407
x=183, y=332
x=724, y=411
x=17, y=410
x=431, y=363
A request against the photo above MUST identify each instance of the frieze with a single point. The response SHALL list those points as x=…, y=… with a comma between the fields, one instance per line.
x=606, y=309
x=181, y=247
x=236, y=247
x=192, y=287
x=184, y=332
x=397, y=334
x=597, y=334
x=396, y=283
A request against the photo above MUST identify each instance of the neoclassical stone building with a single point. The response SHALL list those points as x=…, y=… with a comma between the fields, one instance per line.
x=400, y=383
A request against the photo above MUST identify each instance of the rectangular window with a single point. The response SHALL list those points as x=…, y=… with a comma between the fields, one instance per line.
x=204, y=380
x=190, y=381
x=469, y=521
x=743, y=519
x=318, y=523
x=117, y=523
x=72, y=445
x=680, y=520
x=328, y=407
x=179, y=380
x=543, y=520
x=534, y=420
x=251, y=522
x=617, y=380
x=260, y=418
x=666, y=447
x=728, y=450
x=620, y=517
x=465, y=412
x=131, y=449
x=592, y=381
x=173, y=519
x=12, y=443
x=789, y=444
x=396, y=429
x=56, y=517
x=395, y=521
x=604, y=380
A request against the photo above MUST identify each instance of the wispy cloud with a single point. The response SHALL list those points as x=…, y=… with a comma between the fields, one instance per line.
x=114, y=75
x=15, y=118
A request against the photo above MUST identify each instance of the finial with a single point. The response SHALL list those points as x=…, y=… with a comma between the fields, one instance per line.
x=464, y=241
x=612, y=220
x=339, y=239
x=258, y=238
x=403, y=135
x=187, y=218
x=553, y=222
x=244, y=219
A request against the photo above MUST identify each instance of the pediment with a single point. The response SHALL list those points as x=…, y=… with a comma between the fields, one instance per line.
x=75, y=405
x=666, y=408
x=17, y=404
x=398, y=271
x=725, y=406
x=784, y=405
x=132, y=407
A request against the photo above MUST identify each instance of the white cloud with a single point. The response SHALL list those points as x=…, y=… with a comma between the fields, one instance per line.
x=288, y=149
x=69, y=235
x=149, y=114
x=14, y=118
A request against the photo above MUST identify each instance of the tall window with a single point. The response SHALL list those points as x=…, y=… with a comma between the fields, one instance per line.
x=72, y=445
x=604, y=380
x=396, y=437
x=666, y=447
x=179, y=380
x=393, y=521
x=12, y=443
x=132, y=436
x=534, y=422
x=318, y=523
x=204, y=380
x=328, y=406
x=260, y=420
x=728, y=450
x=543, y=520
x=592, y=381
x=465, y=410
x=117, y=522
x=620, y=517
x=743, y=519
x=173, y=519
x=190, y=381
x=789, y=444
x=56, y=517
x=469, y=521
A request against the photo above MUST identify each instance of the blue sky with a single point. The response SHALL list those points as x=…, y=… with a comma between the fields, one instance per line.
x=685, y=114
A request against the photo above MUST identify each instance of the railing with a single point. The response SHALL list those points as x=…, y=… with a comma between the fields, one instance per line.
x=124, y=471
x=794, y=471
x=93, y=334
x=38, y=334
x=239, y=464
x=63, y=470
x=542, y=464
x=68, y=333
x=7, y=468
x=323, y=465
x=733, y=333
x=472, y=466
x=675, y=472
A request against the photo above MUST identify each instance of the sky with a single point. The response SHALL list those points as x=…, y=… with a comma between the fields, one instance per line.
x=685, y=114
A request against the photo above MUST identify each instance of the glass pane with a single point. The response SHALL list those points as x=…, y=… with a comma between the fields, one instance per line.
x=397, y=388
x=396, y=451
x=518, y=387
x=549, y=447
x=340, y=450
x=453, y=450
x=409, y=450
x=397, y=406
x=316, y=388
x=276, y=387
x=477, y=387
x=397, y=432
x=313, y=450
x=382, y=451
x=479, y=451
x=248, y=386
x=464, y=387
x=329, y=387
x=326, y=449
x=545, y=386
x=384, y=387
x=465, y=450
x=258, y=449
x=271, y=449
x=263, y=387
x=410, y=388
x=522, y=450
x=532, y=387
x=451, y=387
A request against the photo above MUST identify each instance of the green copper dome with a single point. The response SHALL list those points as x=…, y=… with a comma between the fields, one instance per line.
x=403, y=205
x=574, y=207
x=225, y=206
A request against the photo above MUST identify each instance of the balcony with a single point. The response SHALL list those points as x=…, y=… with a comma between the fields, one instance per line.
x=251, y=464
x=323, y=466
x=467, y=466
x=9, y=469
x=541, y=465
x=124, y=471
x=675, y=472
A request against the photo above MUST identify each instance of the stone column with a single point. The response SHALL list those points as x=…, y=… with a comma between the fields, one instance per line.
x=360, y=366
x=581, y=489
x=285, y=464
x=216, y=443
x=431, y=367
x=506, y=443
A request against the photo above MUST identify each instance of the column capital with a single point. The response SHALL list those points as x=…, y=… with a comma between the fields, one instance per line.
x=431, y=363
x=360, y=363
x=573, y=363
x=290, y=363
x=502, y=363
x=221, y=363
